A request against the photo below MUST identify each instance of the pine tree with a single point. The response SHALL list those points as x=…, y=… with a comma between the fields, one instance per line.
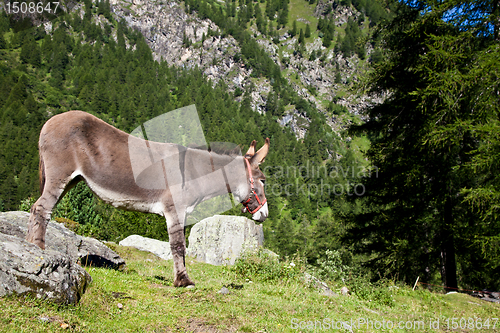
x=301, y=37
x=283, y=16
x=307, y=34
x=3, y=43
x=293, y=32
x=27, y=47
x=426, y=138
x=327, y=39
x=321, y=24
x=338, y=78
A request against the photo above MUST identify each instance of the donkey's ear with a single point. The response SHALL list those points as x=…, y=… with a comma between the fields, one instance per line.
x=261, y=154
x=251, y=150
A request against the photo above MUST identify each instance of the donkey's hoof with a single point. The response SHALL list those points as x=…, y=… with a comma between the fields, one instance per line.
x=37, y=242
x=183, y=282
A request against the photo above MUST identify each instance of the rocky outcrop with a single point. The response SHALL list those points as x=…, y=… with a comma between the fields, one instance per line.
x=186, y=41
x=486, y=295
x=340, y=13
x=27, y=269
x=86, y=250
x=53, y=273
x=159, y=248
x=222, y=239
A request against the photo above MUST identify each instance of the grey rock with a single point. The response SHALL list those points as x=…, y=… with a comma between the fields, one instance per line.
x=488, y=299
x=222, y=239
x=329, y=293
x=88, y=251
x=344, y=291
x=485, y=295
x=270, y=254
x=216, y=240
x=320, y=285
x=46, y=274
x=224, y=291
x=159, y=248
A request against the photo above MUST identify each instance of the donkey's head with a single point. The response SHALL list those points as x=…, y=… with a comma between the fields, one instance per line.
x=255, y=202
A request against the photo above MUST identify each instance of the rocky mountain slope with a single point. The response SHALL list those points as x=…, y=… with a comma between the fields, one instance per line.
x=181, y=39
x=319, y=74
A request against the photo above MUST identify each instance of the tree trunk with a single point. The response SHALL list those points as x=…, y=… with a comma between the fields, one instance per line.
x=496, y=20
x=448, y=262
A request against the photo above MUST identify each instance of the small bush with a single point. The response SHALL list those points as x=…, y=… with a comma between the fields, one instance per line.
x=379, y=293
x=331, y=268
x=70, y=224
x=312, y=90
x=334, y=267
x=26, y=204
x=262, y=266
x=238, y=92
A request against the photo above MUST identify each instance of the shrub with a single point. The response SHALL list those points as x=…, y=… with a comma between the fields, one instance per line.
x=331, y=268
x=26, y=204
x=262, y=266
x=380, y=292
x=70, y=224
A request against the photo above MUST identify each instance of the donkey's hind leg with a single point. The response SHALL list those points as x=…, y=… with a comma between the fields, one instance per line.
x=41, y=210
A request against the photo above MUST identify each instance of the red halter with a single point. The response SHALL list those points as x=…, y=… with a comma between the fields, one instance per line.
x=252, y=190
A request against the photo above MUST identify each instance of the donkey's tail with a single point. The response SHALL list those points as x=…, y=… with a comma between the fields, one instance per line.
x=41, y=169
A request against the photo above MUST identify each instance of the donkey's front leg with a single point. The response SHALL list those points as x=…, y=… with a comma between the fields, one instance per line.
x=178, y=247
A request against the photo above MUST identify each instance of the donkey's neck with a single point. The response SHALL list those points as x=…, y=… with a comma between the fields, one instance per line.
x=222, y=174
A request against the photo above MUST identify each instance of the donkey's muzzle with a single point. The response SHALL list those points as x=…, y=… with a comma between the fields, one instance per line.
x=261, y=214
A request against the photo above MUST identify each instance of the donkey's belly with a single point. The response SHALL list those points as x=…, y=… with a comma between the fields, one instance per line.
x=139, y=202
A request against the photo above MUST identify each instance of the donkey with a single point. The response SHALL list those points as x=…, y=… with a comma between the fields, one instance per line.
x=76, y=146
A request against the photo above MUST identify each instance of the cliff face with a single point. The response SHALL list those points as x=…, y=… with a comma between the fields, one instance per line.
x=186, y=41
x=177, y=37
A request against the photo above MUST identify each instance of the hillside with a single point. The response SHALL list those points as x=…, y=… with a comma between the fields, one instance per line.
x=385, y=188
x=265, y=296
x=320, y=68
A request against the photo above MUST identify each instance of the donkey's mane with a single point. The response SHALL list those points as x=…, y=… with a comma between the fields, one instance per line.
x=220, y=150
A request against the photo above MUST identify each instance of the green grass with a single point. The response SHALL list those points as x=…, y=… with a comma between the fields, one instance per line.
x=301, y=9
x=258, y=302
x=359, y=145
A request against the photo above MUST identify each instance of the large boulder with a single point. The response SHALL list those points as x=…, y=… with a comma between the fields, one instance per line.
x=88, y=251
x=161, y=249
x=222, y=239
x=215, y=240
x=46, y=274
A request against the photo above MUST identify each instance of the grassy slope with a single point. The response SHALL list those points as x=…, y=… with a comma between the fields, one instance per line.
x=151, y=304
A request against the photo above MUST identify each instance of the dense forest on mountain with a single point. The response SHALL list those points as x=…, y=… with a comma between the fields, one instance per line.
x=423, y=203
